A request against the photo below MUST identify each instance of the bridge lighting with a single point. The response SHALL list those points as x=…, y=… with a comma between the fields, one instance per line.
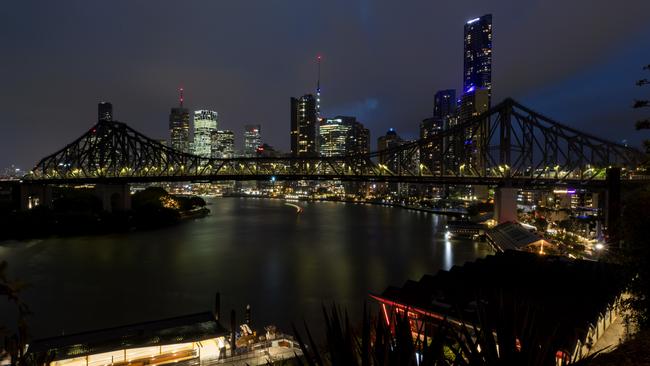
x=599, y=246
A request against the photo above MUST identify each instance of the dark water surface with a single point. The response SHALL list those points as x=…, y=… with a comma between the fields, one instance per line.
x=253, y=251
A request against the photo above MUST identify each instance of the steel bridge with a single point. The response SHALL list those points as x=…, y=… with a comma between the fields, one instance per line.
x=508, y=145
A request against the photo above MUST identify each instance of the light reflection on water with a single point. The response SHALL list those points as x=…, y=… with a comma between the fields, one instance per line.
x=253, y=251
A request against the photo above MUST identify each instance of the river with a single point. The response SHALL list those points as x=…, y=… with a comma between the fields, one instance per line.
x=253, y=251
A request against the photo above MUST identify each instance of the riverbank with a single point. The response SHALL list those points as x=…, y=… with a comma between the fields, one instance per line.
x=437, y=211
x=80, y=215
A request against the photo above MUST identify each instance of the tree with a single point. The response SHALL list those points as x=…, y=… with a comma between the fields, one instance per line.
x=643, y=124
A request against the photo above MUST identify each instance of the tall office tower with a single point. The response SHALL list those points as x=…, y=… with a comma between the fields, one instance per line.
x=477, y=87
x=252, y=139
x=304, y=126
x=478, y=54
x=444, y=103
x=472, y=105
x=334, y=136
x=205, y=123
x=179, y=127
x=390, y=140
x=358, y=138
x=444, y=112
x=223, y=144
x=431, y=152
x=396, y=160
x=104, y=112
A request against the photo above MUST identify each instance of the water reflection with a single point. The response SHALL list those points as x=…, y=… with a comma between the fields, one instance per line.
x=257, y=252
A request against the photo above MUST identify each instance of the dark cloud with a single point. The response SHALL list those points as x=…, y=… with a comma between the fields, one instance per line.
x=383, y=60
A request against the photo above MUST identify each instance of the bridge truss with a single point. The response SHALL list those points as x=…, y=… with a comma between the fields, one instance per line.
x=509, y=144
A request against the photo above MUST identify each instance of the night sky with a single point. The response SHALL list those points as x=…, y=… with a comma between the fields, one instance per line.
x=575, y=61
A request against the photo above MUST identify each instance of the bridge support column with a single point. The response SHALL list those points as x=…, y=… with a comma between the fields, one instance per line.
x=32, y=195
x=505, y=204
x=613, y=205
x=115, y=197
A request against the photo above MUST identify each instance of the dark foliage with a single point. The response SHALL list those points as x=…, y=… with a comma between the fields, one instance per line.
x=643, y=124
x=507, y=332
x=148, y=209
x=636, y=255
x=15, y=337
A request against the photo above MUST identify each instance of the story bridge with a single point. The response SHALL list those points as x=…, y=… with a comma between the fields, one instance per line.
x=508, y=146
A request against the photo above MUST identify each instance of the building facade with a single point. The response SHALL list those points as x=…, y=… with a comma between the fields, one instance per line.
x=179, y=129
x=223, y=144
x=390, y=140
x=252, y=139
x=104, y=112
x=304, y=126
x=444, y=103
x=205, y=124
x=478, y=54
x=472, y=105
x=431, y=152
x=334, y=134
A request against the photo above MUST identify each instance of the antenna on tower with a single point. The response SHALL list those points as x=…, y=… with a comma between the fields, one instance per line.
x=318, y=58
x=180, y=99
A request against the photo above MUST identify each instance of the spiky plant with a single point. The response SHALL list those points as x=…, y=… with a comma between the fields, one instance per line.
x=503, y=333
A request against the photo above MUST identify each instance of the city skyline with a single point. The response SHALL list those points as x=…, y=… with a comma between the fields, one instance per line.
x=354, y=82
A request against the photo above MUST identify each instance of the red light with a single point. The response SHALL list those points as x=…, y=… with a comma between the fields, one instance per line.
x=94, y=130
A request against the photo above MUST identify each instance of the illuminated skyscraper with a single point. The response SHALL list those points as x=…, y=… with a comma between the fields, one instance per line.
x=478, y=54
x=334, y=137
x=252, y=139
x=205, y=123
x=444, y=103
x=390, y=140
x=304, y=126
x=179, y=127
x=431, y=152
x=473, y=104
x=223, y=144
x=477, y=86
x=104, y=111
x=358, y=138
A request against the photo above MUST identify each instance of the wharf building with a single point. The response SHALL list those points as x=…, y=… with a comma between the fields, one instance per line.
x=205, y=124
x=304, y=126
x=190, y=338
